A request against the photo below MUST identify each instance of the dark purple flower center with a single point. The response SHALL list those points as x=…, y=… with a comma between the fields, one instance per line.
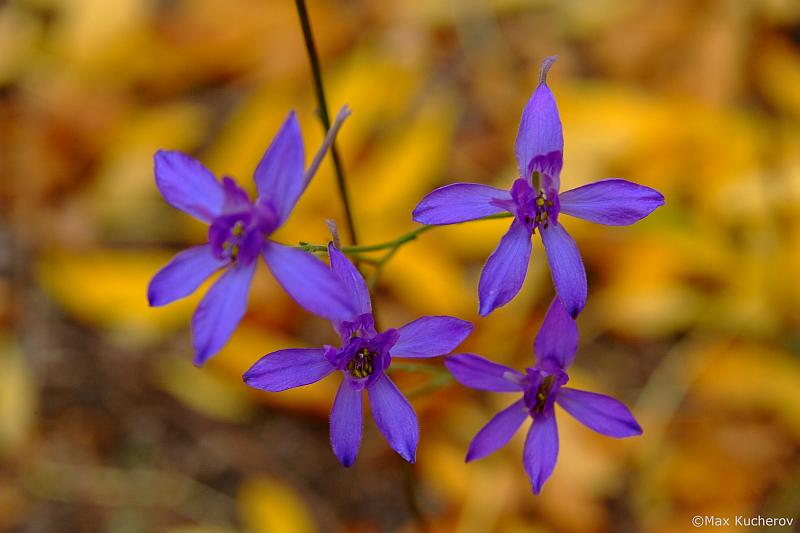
x=534, y=209
x=540, y=385
x=534, y=198
x=364, y=354
x=361, y=364
x=239, y=232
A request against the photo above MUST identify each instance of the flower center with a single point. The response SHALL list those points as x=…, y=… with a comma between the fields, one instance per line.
x=232, y=244
x=360, y=366
x=543, y=393
x=541, y=206
x=531, y=208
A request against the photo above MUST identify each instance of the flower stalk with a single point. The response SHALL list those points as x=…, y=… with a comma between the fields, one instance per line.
x=388, y=245
x=324, y=117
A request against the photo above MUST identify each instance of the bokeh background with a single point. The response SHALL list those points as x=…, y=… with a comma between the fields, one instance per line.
x=692, y=318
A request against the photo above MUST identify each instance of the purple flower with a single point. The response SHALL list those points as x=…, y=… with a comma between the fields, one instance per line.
x=363, y=359
x=239, y=230
x=535, y=202
x=542, y=386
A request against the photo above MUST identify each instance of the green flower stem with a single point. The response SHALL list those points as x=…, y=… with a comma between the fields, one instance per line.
x=388, y=245
x=319, y=90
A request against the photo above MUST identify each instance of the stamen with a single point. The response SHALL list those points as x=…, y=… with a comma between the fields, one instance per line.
x=542, y=393
x=360, y=366
x=238, y=229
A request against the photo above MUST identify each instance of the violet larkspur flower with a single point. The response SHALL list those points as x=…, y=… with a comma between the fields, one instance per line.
x=541, y=386
x=363, y=359
x=239, y=231
x=535, y=202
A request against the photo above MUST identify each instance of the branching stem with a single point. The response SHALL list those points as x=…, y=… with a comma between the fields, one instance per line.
x=388, y=245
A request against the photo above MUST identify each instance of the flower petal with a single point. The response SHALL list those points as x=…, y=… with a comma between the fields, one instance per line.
x=347, y=421
x=309, y=281
x=459, y=202
x=498, y=431
x=279, y=176
x=541, y=449
x=351, y=279
x=429, y=336
x=395, y=417
x=566, y=267
x=504, y=272
x=220, y=311
x=478, y=373
x=187, y=185
x=236, y=199
x=601, y=413
x=183, y=274
x=613, y=202
x=557, y=339
x=540, y=128
x=287, y=369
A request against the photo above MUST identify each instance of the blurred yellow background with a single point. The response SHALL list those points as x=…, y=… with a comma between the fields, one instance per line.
x=692, y=316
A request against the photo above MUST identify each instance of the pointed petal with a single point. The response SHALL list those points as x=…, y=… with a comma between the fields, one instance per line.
x=540, y=128
x=279, y=176
x=395, y=417
x=309, y=282
x=351, y=279
x=566, y=267
x=347, y=421
x=429, y=336
x=498, y=431
x=182, y=275
x=287, y=369
x=504, y=272
x=478, y=373
x=220, y=311
x=613, y=202
x=459, y=202
x=541, y=449
x=601, y=413
x=187, y=185
x=557, y=339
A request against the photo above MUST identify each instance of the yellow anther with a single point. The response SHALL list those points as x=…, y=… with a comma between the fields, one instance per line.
x=360, y=366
